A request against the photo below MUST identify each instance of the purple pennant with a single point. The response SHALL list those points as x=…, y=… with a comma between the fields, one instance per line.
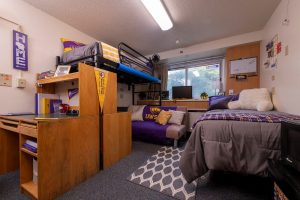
x=72, y=92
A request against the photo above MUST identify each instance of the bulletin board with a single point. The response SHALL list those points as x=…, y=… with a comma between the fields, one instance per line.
x=246, y=66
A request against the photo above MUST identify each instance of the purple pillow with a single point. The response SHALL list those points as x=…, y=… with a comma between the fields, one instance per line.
x=220, y=102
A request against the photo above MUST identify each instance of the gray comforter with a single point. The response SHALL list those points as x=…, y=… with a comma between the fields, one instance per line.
x=81, y=52
x=236, y=146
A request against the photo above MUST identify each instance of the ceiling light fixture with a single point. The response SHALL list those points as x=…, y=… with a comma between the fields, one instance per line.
x=158, y=12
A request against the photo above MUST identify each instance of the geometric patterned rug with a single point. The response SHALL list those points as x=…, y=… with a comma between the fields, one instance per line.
x=161, y=173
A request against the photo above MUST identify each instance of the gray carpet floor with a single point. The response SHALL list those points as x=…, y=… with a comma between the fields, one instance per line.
x=112, y=183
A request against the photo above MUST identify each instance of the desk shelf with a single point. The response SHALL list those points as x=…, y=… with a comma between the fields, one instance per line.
x=30, y=188
x=68, y=77
x=29, y=152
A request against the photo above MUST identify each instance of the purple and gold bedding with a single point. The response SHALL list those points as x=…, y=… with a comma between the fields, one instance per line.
x=249, y=116
x=233, y=140
x=96, y=48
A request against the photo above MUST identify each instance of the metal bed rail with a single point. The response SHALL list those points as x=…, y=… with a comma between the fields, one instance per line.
x=131, y=57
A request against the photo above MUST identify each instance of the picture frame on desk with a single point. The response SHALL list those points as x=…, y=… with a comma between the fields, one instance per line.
x=62, y=70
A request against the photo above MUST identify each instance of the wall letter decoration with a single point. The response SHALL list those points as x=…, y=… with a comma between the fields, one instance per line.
x=20, y=51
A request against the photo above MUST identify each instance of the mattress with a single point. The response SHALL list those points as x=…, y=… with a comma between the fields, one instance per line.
x=135, y=72
x=95, y=48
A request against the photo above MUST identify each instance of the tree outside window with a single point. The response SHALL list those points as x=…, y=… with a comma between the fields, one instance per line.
x=201, y=78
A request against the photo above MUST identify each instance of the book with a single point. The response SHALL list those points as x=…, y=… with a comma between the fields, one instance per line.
x=30, y=148
x=46, y=74
x=54, y=105
x=38, y=101
x=45, y=106
x=31, y=143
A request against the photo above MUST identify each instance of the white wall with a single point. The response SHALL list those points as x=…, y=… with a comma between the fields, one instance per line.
x=286, y=95
x=213, y=45
x=44, y=33
x=124, y=95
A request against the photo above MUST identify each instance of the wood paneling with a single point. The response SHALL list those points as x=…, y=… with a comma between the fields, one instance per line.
x=88, y=99
x=117, y=140
x=68, y=153
x=110, y=102
x=238, y=52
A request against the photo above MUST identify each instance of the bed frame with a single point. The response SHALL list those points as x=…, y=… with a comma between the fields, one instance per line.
x=134, y=68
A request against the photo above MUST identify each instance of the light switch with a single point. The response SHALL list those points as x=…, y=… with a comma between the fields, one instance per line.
x=6, y=80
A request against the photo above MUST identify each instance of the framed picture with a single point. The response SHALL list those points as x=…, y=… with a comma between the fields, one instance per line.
x=62, y=70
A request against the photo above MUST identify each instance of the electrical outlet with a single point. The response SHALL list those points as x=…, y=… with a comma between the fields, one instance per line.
x=231, y=92
x=21, y=83
x=6, y=80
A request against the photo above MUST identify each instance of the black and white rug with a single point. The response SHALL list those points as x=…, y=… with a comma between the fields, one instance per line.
x=161, y=173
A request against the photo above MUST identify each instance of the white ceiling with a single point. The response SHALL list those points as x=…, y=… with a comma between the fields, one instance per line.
x=195, y=21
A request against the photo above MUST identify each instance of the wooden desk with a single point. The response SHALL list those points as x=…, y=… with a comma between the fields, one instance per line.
x=64, y=158
x=190, y=103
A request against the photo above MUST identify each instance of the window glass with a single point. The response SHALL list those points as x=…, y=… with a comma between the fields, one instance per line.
x=201, y=78
x=204, y=79
x=175, y=78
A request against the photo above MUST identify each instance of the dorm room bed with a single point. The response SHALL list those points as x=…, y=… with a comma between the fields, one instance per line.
x=130, y=65
x=233, y=140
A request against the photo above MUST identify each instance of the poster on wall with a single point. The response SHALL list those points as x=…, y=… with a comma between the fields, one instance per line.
x=273, y=49
x=20, y=51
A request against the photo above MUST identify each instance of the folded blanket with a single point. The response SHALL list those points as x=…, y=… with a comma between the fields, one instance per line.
x=248, y=116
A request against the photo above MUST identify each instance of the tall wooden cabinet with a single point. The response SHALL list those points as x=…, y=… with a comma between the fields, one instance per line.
x=115, y=127
x=70, y=148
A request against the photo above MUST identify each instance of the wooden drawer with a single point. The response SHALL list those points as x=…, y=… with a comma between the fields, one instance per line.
x=30, y=131
x=10, y=125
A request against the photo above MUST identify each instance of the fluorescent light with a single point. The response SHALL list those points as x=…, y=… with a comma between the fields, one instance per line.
x=158, y=12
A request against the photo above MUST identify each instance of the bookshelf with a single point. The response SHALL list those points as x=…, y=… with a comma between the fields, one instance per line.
x=67, y=77
x=70, y=148
x=88, y=99
x=61, y=164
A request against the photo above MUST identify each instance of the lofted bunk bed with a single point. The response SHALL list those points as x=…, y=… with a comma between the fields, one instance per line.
x=125, y=65
x=131, y=67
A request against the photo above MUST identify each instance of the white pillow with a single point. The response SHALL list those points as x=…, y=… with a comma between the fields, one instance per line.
x=177, y=117
x=253, y=99
x=137, y=112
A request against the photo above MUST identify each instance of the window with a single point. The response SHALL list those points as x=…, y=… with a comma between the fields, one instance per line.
x=176, y=78
x=201, y=78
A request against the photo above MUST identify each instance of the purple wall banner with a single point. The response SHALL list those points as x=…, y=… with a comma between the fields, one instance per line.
x=20, y=51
